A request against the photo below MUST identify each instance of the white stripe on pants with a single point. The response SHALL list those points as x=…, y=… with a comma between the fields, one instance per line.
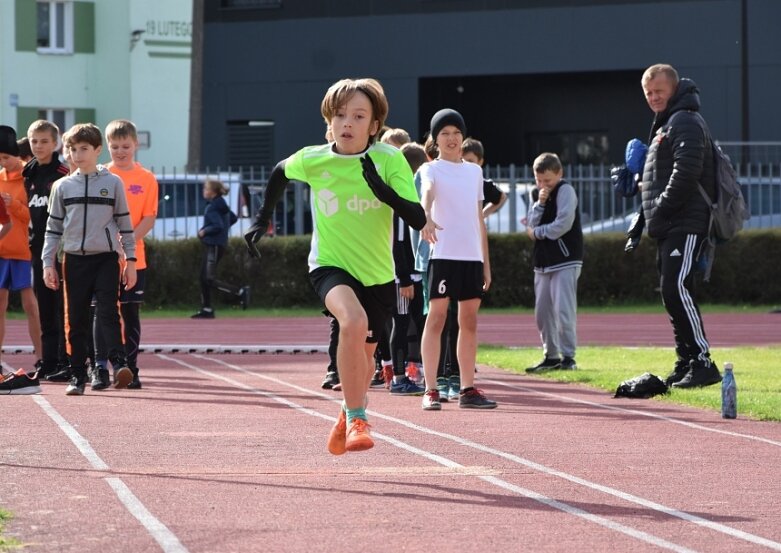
x=556, y=310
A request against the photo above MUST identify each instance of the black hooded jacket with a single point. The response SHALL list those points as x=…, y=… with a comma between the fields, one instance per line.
x=680, y=155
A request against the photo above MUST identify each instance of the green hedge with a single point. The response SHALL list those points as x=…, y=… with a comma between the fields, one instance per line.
x=744, y=272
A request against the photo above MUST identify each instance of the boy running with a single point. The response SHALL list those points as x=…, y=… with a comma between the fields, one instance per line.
x=459, y=269
x=357, y=184
x=88, y=211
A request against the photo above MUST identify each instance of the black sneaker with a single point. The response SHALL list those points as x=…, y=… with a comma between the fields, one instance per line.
x=244, y=296
x=472, y=398
x=76, y=386
x=547, y=364
x=701, y=373
x=331, y=380
x=204, y=314
x=568, y=364
x=61, y=374
x=378, y=380
x=135, y=384
x=679, y=371
x=100, y=379
x=20, y=384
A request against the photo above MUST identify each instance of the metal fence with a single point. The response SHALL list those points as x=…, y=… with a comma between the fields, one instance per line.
x=181, y=202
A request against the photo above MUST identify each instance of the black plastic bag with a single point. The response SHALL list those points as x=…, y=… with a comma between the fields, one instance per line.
x=643, y=386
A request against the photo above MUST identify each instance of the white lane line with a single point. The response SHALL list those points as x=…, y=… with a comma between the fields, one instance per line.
x=444, y=461
x=658, y=507
x=159, y=531
x=67, y=428
x=635, y=412
x=162, y=535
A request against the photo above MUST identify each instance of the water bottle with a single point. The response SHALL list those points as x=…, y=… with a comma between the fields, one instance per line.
x=729, y=394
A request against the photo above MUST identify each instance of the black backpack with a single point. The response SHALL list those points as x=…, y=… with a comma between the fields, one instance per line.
x=728, y=209
x=644, y=386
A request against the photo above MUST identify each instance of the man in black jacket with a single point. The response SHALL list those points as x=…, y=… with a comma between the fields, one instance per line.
x=680, y=158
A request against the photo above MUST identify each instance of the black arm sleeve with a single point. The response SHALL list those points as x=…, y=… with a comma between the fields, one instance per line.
x=411, y=212
x=275, y=188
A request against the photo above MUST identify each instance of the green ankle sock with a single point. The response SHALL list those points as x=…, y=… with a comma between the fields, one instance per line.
x=352, y=414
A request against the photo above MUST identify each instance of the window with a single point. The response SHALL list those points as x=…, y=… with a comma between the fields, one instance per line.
x=63, y=118
x=55, y=27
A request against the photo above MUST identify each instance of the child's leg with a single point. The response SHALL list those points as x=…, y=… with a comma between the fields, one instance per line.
x=3, y=309
x=453, y=367
x=79, y=285
x=399, y=345
x=545, y=316
x=467, y=340
x=207, y=264
x=353, y=356
x=564, y=289
x=107, y=295
x=100, y=351
x=131, y=326
x=30, y=306
x=430, y=347
x=333, y=345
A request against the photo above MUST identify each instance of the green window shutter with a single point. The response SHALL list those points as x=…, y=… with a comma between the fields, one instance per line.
x=24, y=118
x=83, y=27
x=83, y=115
x=26, y=23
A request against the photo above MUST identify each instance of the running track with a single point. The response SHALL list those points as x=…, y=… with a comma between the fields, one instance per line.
x=227, y=453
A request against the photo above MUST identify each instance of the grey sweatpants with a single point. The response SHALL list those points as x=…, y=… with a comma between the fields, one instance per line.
x=555, y=309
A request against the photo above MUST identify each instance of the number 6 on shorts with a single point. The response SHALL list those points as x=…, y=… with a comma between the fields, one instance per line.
x=442, y=287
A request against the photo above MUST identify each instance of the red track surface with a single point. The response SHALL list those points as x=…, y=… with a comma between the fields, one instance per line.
x=218, y=458
x=511, y=330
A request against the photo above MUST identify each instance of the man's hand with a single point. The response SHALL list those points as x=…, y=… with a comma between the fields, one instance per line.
x=381, y=190
x=407, y=292
x=201, y=234
x=544, y=194
x=429, y=232
x=253, y=236
x=530, y=233
x=51, y=278
x=129, y=275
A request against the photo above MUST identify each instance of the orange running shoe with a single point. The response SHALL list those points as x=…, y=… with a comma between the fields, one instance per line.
x=387, y=374
x=338, y=435
x=413, y=372
x=358, y=438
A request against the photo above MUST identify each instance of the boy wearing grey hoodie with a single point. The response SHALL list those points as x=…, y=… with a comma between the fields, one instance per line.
x=89, y=218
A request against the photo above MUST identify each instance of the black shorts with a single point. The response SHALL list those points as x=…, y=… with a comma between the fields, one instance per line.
x=457, y=280
x=378, y=301
x=135, y=294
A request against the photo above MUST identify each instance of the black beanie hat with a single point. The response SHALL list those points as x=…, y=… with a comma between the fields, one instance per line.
x=8, y=143
x=445, y=117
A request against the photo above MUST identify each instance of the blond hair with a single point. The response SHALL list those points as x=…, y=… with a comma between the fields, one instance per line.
x=340, y=93
x=121, y=128
x=42, y=125
x=660, y=69
x=396, y=137
x=217, y=186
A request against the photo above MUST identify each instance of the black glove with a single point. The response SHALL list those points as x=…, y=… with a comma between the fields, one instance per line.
x=381, y=190
x=253, y=236
x=635, y=231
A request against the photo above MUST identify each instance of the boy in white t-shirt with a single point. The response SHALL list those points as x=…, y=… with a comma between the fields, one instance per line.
x=459, y=268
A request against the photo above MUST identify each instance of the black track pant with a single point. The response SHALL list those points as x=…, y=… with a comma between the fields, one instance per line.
x=399, y=339
x=131, y=327
x=52, y=316
x=333, y=345
x=676, y=257
x=85, y=276
x=211, y=257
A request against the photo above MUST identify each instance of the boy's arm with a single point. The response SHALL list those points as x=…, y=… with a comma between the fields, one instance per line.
x=18, y=209
x=147, y=222
x=484, y=243
x=122, y=218
x=566, y=207
x=410, y=211
x=400, y=256
x=275, y=188
x=54, y=227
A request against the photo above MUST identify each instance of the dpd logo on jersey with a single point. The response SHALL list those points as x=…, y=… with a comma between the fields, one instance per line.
x=327, y=202
x=362, y=205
